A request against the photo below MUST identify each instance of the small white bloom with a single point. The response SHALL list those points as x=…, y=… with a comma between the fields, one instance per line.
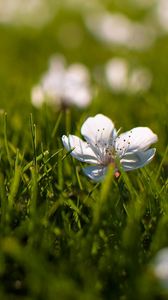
x=32, y=13
x=76, y=86
x=67, y=86
x=160, y=267
x=118, y=29
x=161, y=13
x=121, y=77
x=103, y=146
x=116, y=73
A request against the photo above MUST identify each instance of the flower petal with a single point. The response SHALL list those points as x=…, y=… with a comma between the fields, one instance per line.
x=137, y=139
x=76, y=86
x=98, y=130
x=137, y=159
x=79, y=96
x=95, y=173
x=81, y=151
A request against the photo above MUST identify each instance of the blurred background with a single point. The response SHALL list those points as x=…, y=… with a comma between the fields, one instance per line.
x=124, y=46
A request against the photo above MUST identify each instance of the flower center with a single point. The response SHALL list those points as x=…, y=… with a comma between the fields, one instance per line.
x=104, y=147
x=109, y=156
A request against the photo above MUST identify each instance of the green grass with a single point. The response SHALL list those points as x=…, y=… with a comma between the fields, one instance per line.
x=61, y=235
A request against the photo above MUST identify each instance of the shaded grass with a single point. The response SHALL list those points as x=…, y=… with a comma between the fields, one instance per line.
x=63, y=235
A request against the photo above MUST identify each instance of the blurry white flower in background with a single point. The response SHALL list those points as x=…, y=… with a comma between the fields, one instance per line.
x=23, y=12
x=121, y=78
x=52, y=80
x=160, y=267
x=118, y=29
x=116, y=72
x=62, y=85
x=162, y=13
x=76, y=86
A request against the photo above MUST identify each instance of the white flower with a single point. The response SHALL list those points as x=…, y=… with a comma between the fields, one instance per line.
x=162, y=13
x=61, y=85
x=160, y=267
x=76, y=86
x=121, y=77
x=103, y=146
x=116, y=73
x=22, y=12
x=118, y=29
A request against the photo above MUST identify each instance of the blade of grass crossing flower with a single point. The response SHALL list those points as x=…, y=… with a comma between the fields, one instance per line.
x=106, y=185
x=104, y=193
